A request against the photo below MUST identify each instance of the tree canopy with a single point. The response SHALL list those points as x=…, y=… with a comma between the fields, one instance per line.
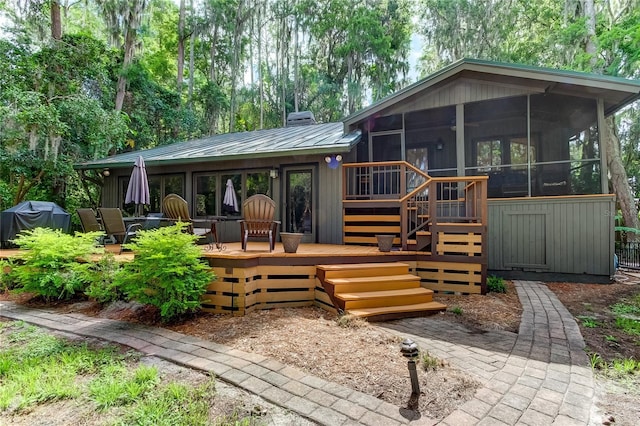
x=80, y=80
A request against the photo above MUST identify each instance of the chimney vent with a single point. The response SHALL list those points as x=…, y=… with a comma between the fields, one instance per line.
x=302, y=118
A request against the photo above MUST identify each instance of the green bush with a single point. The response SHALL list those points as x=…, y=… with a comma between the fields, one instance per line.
x=7, y=275
x=102, y=286
x=496, y=285
x=166, y=271
x=55, y=264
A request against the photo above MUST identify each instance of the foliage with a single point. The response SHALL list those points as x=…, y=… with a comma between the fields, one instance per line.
x=496, y=284
x=55, y=264
x=116, y=386
x=174, y=404
x=37, y=367
x=457, y=310
x=588, y=322
x=628, y=325
x=7, y=274
x=429, y=362
x=166, y=272
x=102, y=286
x=55, y=111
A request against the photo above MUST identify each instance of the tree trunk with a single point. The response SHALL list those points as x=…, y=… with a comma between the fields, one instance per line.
x=619, y=179
x=260, y=78
x=56, y=22
x=180, y=49
x=192, y=43
x=131, y=17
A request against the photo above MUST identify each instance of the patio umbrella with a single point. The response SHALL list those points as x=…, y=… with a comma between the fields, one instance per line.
x=138, y=189
x=230, y=202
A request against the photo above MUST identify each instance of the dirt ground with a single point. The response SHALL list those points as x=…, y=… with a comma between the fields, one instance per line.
x=365, y=357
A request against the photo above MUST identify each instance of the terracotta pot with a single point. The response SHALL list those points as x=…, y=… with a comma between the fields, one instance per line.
x=385, y=242
x=290, y=241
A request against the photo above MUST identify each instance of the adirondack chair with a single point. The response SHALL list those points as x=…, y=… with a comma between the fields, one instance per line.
x=175, y=207
x=114, y=225
x=258, y=211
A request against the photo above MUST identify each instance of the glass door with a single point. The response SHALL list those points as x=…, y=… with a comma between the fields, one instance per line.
x=300, y=203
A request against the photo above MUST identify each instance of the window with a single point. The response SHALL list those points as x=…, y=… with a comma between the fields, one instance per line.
x=159, y=187
x=205, y=199
x=213, y=192
x=488, y=155
x=518, y=153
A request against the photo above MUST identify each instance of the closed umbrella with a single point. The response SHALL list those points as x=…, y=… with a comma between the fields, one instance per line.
x=138, y=189
x=230, y=202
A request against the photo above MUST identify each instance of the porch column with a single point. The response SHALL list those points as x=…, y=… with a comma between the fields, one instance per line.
x=460, y=139
x=602, y=126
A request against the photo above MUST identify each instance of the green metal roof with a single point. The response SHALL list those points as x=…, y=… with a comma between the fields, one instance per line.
x=616, y=92
x=299, y=140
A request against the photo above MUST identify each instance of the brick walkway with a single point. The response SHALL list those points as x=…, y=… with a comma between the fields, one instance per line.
x=537, y=377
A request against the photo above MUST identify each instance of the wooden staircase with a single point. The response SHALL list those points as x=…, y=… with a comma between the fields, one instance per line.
x=377, y=291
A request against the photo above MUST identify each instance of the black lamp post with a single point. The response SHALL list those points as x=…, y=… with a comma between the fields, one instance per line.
x=409, y=349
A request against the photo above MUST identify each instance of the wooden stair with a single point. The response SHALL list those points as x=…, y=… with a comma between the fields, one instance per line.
x=377, y=291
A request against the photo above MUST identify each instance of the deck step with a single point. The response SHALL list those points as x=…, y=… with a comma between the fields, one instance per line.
x=377, y=290
x=374, y=299
x=394, y=312
x=353, y=270
x=377, y=283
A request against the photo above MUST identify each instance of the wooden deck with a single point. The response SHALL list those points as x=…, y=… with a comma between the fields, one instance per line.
x=259, y=279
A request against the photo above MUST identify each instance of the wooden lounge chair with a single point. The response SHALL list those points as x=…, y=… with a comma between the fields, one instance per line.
x=258, y=212
x=114, y=225
x=176, y=208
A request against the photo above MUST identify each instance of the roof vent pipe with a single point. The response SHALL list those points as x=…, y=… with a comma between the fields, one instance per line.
x=302, y=118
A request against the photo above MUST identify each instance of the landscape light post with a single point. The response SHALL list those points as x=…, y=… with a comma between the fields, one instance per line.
x=409, y=349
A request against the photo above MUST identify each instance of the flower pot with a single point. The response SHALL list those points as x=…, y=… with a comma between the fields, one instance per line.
x=290, y=241
x=385, y=242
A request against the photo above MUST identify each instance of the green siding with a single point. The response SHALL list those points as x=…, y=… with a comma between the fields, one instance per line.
x=563, y=235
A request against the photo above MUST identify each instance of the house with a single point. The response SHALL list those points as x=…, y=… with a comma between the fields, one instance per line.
x=528, y=136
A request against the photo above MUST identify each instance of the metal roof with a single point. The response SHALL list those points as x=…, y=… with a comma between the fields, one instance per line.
x=300, y=140
x=616, y=92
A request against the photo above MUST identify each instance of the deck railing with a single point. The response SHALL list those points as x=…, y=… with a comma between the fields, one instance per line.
x=422, y=200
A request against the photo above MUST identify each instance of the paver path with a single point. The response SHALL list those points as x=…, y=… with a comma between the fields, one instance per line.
x=537, y=377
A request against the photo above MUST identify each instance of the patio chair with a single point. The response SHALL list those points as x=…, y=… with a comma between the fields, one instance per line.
x=114, y=226
x=88, y=220
x=176, y=208
x=258, y=212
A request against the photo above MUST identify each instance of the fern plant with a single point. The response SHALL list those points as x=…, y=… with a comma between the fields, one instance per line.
x=166, y=272
x=55, y=264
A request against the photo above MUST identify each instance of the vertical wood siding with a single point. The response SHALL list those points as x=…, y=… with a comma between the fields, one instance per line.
x=460, y=92
x=552, y=234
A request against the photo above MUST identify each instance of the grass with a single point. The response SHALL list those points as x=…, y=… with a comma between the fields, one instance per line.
x=457, y=310
x=429, y=362
x=588, y=321
x=37, y=368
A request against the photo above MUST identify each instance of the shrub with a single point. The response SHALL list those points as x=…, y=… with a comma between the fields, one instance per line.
x=55, y=264
x=496, y=285
x=102, y=285
x=7, y=275
x=166, y=271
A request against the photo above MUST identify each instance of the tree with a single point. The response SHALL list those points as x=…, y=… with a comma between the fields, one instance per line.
x=124, y=19
x=53, y=114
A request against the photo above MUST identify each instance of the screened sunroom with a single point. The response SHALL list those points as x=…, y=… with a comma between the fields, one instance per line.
x=528, y=145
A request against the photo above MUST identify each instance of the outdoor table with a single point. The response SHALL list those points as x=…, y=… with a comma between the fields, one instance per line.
x=212, y=221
